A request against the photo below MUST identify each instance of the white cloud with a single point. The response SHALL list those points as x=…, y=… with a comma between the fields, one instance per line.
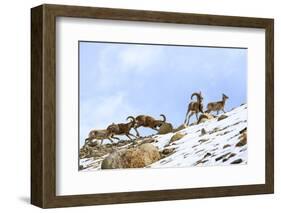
x=115, y=62
x=137, y=58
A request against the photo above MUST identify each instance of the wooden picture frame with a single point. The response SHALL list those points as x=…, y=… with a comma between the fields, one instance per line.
x=43, y=105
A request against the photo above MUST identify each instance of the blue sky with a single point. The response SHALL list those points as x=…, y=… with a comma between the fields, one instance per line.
x=118, y=80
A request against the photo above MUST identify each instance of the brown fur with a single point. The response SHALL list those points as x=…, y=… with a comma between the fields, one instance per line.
x=194, y=107
x=148, y=121
x=100, y=135
x=122, y=128
x=217, y=106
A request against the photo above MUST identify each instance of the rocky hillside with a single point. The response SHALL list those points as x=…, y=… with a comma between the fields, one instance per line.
x=220, y=140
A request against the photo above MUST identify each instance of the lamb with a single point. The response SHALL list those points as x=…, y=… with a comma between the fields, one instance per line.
x=148, y=121
x=122, y=128
x=217, y=106
x=194, y=107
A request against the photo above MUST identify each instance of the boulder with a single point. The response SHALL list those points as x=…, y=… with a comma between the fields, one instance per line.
x=181, y=127
x=243, y=130
x=203, y=132
x=141, y=156
x=229, y=156
x=243, y=139
x=226, y=146
x=113, y=161
x=222, y=156
x=216, y=129
x=165, y=128
x=222, y=117
x=207, y=155
x=200, y=162
x=167, y=151
x=238, y=161
x=203, y=140
x=137, y=157
x=204, y=117
x=176, y=137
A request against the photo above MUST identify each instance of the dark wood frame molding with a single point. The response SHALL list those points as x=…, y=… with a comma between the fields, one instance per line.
x=43, y=105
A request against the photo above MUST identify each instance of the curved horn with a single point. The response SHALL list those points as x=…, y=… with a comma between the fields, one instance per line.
x=134, y=120
x=195, y=94
x=164, y=117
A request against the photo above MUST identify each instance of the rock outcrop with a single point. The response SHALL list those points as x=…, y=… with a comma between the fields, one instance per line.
x=113, y=161
x=181, y=127
x=242, y=139
x=222, y=117
x=137, y=157
x=176, y=137
x=165, y=128
x=204, y=117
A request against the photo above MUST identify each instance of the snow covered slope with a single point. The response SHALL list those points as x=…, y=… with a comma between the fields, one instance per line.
x=214, y=142
x=217, y=147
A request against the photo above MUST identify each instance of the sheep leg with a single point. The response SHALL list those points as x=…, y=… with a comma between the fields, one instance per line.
x=129, y=137
x=132, y=135
x=101, y=142
x=192, y=113
x=155, y=128
x=115, y=137
x=196, y=116
x=223, y=110
x=186, y=116
x=138, y=134
x=110, y=140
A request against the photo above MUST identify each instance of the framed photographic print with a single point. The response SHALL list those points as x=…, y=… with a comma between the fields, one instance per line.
x=135, y=106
